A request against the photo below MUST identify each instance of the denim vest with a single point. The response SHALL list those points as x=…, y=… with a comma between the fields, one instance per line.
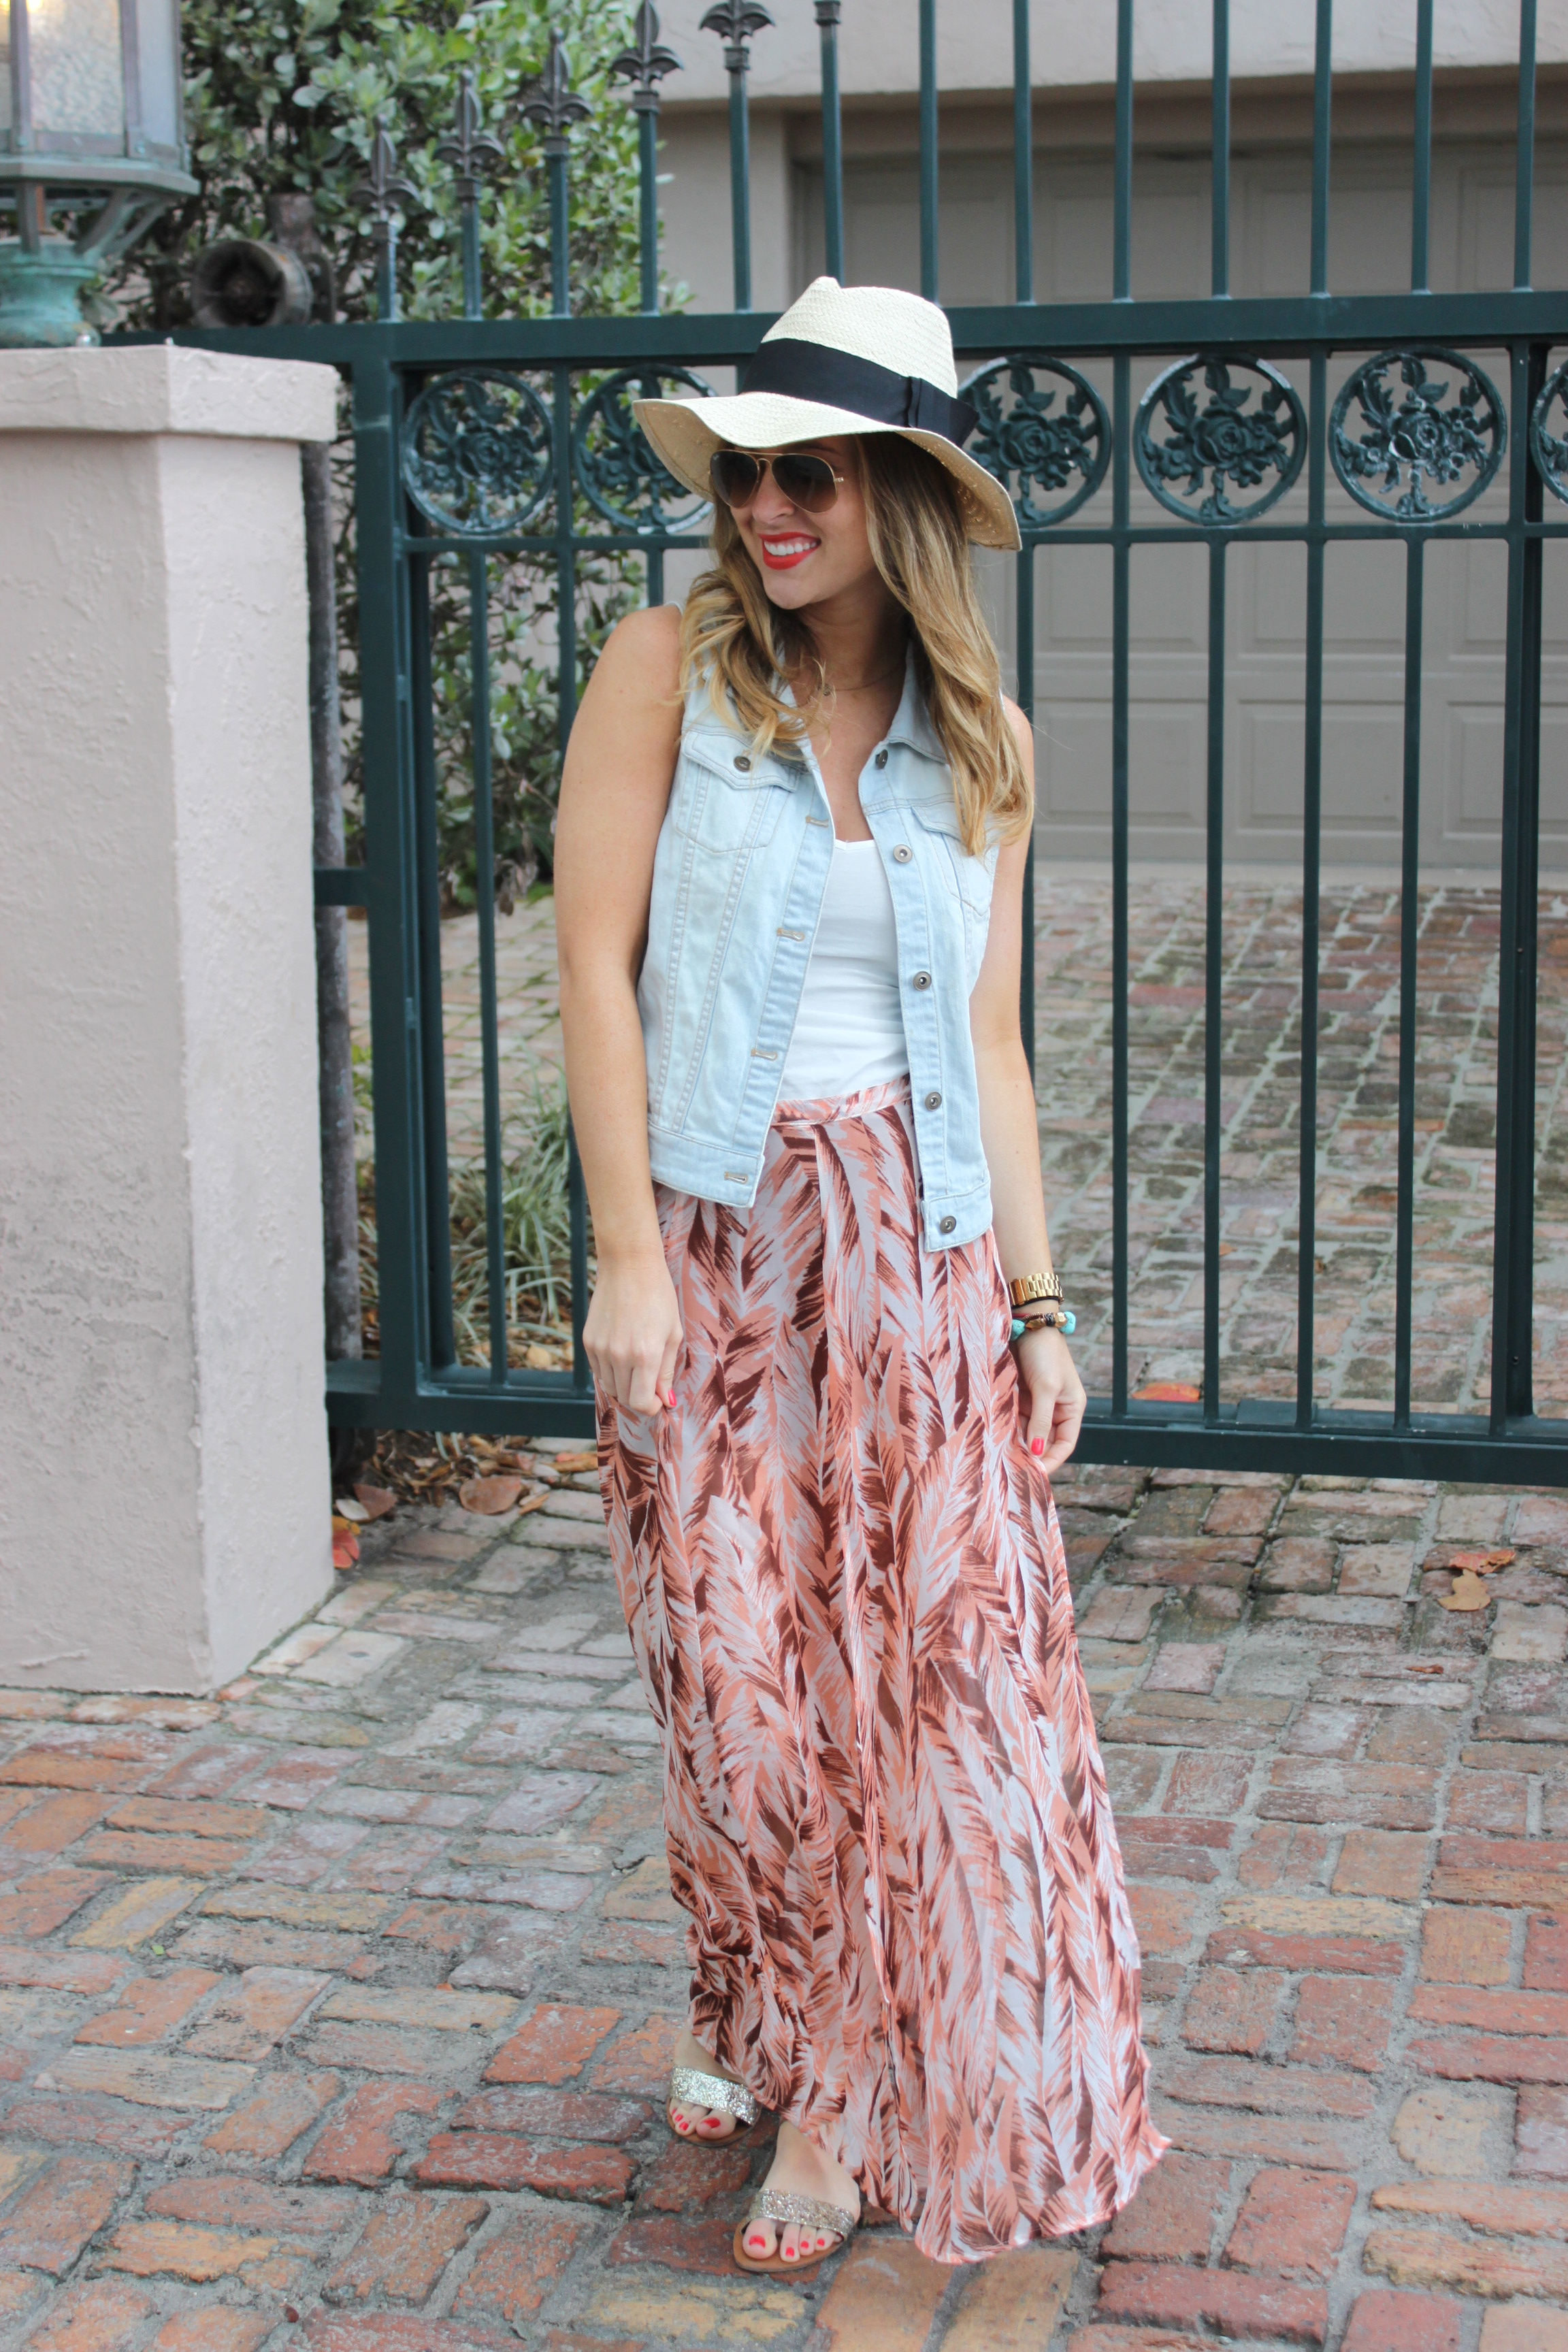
x=737, y=879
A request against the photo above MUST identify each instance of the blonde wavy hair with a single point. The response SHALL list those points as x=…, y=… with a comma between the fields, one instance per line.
x=743, y=644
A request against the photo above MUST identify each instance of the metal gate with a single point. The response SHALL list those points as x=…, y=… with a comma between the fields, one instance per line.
x=476, y=438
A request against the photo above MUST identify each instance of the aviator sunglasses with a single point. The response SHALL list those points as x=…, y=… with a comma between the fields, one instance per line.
x=808, y=483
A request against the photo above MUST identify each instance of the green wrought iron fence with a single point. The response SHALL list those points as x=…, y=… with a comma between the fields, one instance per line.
x=477, y=439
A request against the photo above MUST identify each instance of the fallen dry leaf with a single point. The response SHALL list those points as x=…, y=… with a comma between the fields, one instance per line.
x=566, y=1463
x=1481, y=1563
x=537, y=1359
x=354, y=1512
x=535, y=1503
x=490, y=1495
x=346, y=1552
x=375, y=1501
x=1469, y=1592
x=1169, y=1392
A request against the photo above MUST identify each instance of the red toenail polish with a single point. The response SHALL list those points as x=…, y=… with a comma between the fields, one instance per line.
x=1036, y=1444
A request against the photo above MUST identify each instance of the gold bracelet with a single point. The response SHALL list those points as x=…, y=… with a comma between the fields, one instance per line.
x=1027, y=1288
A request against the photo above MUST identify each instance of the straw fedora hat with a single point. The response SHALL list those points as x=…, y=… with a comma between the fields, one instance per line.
x=844, y=358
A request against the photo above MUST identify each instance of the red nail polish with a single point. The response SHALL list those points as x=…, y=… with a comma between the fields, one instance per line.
x=1036, y=1444
x=671, y=1398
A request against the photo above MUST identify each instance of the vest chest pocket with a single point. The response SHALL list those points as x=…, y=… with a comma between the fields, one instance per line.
x=724, y=797
x=970, y=878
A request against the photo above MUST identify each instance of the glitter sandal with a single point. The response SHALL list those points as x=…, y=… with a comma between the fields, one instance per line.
x=774, y=2205
x=689, y=2083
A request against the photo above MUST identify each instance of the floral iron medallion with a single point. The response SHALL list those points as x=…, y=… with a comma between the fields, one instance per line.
x=618, y=470
x=1192, y=457
x=1391, y=452
x=1037, y=450
x=1548, y=448
x=476, y=453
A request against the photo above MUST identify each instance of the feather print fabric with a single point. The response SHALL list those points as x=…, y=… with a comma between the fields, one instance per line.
x=884, y=1803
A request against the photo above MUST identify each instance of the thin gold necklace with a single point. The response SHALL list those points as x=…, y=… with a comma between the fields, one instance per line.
x=867, y=683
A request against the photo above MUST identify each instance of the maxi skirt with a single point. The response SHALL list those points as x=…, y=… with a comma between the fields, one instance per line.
x=884, y=1803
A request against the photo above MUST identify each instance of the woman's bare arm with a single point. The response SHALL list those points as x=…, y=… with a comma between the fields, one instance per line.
x=615, y=790
x=1010, y=1134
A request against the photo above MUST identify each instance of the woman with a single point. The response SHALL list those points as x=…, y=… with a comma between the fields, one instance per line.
x=788, y=882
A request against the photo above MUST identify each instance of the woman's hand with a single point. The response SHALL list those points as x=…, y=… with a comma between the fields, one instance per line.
x=1054, y=1396
x=632, y=1334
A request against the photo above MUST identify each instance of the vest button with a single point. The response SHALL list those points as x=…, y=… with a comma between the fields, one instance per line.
x=742, y=762
x=922, y=979
x=933, y=1102
x=882, y=758
x=948, y=1225
x=903, y=854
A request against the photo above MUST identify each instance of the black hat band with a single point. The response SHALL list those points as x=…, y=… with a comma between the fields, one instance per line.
x=836, y=379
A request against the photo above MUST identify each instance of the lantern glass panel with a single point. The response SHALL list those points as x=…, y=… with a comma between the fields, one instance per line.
x=158, y=43
x=77, y=72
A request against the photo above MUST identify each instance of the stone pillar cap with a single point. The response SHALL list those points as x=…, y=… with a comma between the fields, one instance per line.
x=146, y=388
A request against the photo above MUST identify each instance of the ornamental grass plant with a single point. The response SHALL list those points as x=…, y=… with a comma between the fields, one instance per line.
x=535, y=1233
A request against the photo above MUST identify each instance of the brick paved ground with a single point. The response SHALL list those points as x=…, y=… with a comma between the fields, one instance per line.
x=1360, y=976
x=1358, y=1053
x=336, y=2013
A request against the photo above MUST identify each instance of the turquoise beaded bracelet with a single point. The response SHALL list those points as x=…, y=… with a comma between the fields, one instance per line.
x=1063, y=1321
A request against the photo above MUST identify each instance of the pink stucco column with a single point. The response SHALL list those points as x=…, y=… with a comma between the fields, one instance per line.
x=164, y=1500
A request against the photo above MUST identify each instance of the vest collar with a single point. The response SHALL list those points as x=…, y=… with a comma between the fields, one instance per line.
x=911, y=722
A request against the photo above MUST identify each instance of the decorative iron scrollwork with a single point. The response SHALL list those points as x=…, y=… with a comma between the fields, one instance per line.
x=1227, y=442
x=617, y=469
x=1405, y=447
x=1548, y=449
x=1034, y=448
x=476, y=453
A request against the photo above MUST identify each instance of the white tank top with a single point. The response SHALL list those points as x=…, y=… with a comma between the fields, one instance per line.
x=850, y=1029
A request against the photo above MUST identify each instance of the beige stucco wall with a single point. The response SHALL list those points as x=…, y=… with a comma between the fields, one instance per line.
x=164, y=1483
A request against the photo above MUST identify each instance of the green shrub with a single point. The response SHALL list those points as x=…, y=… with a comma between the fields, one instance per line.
x=283, y=96
x=536, y=1236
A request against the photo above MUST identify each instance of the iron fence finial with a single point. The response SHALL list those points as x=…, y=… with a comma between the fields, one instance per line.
x=471, y=151
x=468, y=147
x=646, y=65
x=735, y=21
x=384, y=191
x=551, y=104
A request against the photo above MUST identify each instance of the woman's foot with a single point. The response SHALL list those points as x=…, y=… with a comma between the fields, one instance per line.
x=692, y=2121
x=799, y=2170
